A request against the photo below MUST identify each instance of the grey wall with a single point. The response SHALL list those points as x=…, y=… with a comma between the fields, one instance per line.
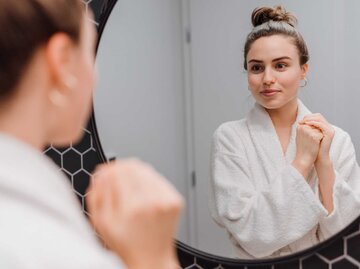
x=138, y=101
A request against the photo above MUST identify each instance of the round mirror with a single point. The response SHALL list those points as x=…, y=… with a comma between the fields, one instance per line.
x=170, y=72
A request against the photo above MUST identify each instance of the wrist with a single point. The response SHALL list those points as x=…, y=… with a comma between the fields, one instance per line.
x=323, y=161
x=303, y=166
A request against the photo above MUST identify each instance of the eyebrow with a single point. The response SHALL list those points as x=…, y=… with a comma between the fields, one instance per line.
x=275, y=60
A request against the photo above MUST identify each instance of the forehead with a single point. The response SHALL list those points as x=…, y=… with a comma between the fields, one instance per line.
x=272, y=47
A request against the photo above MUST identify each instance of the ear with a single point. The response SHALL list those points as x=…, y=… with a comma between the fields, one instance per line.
x=60, y=60
x=304, y=70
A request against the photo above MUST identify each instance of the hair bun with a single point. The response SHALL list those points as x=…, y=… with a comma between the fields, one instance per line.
x=261, y=15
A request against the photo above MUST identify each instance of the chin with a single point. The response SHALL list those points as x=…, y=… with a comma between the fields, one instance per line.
x=271, y=105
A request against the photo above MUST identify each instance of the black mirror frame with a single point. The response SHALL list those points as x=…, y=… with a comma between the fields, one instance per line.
x=78, y=161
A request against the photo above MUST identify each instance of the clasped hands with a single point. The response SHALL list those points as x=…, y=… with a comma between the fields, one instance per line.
x=313, y=142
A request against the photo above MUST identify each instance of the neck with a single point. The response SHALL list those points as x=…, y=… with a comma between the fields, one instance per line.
x=22, y=119
x=285, y=116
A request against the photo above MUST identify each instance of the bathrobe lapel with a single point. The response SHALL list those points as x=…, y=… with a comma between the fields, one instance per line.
x=266, y=141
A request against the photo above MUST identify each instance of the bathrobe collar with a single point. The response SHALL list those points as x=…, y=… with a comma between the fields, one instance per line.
x=266, y=141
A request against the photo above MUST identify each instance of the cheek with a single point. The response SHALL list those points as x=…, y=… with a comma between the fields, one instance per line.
x=253, y=81
x=86, y=85
x=291, y=81
x=87, y=77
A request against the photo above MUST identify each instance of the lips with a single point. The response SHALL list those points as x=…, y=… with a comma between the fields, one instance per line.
x=269, y=92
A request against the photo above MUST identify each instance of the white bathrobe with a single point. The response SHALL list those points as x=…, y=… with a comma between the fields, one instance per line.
x=264, y=203
x=41, y=223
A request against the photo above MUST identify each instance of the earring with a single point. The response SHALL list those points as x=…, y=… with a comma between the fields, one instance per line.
x=305, y=83
x=56, y=98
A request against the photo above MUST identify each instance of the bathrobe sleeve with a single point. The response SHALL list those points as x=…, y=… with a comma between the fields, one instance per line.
x=346, y=190
x=260, y=220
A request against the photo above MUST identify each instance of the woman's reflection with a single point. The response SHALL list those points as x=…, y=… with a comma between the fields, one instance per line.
x=283, y=179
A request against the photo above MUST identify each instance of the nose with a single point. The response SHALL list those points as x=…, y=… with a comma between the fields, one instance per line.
x=269, y=77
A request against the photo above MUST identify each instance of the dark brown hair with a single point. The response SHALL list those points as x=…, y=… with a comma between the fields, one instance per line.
x=268, y=21
x=25, y=25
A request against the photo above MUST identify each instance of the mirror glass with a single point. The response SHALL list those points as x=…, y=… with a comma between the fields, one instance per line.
x=170, y=72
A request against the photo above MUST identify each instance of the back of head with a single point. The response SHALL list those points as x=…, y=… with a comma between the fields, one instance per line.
x=268, y=21
x=25, y=25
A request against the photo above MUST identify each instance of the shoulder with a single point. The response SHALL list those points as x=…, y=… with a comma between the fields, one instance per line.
x=230, y=130
x=230, y=135
x=341, y=144
x=341, y=137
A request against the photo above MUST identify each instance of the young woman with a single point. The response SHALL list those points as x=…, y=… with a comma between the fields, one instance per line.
x=46, y=81
x=283, y=179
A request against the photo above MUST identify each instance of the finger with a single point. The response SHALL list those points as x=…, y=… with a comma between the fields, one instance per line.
x=106, y=209
x=94, y=200
x=319, y=125
x=100, y=189
x=315, y=117
x=93, y=192
x=311, y=128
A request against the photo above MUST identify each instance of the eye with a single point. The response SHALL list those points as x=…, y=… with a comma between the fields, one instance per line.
x=256, y=68
x=281, y=66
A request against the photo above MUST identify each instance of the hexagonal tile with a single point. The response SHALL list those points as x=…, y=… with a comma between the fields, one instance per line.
x=333, y=251
x=72, y=161
x=194, y=266
x=90, y=159
x=85, y=144
x=314, y=262
x=353, y=247
x=54, y=155
x=80, y=198
x=81, y=181
x=344, y=264
x=97, y=5
x=186, y=259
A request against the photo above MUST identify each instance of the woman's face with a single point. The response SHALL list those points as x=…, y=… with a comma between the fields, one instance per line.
x=274, y=71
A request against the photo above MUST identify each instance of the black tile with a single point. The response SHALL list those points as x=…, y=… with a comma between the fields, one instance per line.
x=353, y=247
x=314, y=262
x=85, y=144
x=54, y=155
x=333, y=251
x=344, y=264
x=90, y=160
x=81, y=181
x=71, y=161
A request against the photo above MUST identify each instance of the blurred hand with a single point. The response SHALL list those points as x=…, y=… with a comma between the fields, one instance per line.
x=135, y=210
